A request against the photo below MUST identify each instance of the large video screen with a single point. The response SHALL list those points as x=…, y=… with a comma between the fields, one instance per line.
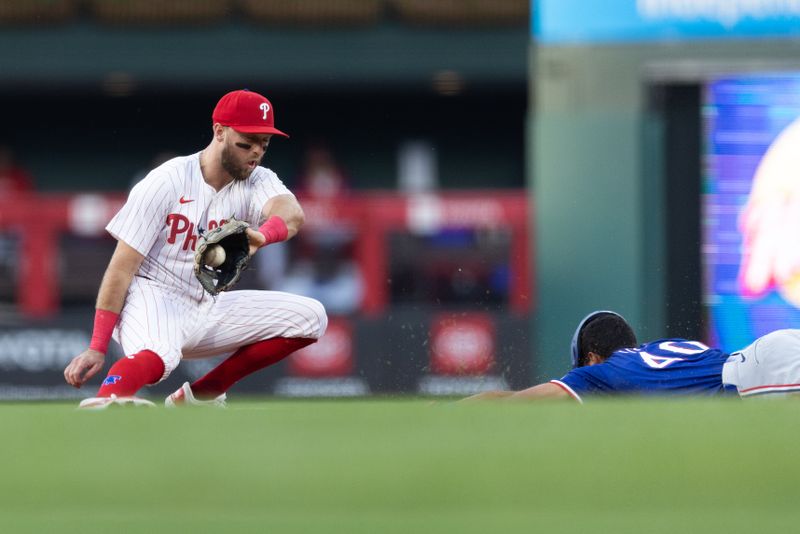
x=751, y=207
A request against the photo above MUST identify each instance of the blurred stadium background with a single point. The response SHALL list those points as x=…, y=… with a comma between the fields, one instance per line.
x=477, y=175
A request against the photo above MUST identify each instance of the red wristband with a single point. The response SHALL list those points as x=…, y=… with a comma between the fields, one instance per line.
x=104, y=322
x=274, y=229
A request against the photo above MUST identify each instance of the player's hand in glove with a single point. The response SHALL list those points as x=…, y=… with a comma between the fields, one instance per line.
x=256, y=240
x=234, y=237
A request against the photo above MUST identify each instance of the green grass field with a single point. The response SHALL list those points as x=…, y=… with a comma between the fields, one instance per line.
x=404, y=466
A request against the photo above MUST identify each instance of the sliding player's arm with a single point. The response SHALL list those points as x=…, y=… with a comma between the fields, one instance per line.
x=542, y=391
x=488, y=395
x=548, y=390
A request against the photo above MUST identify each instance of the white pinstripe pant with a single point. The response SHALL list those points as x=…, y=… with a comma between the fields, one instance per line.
x=173, y=326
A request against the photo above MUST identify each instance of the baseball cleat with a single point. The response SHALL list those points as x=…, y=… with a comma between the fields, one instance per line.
x=185, y=397
x=101, y=403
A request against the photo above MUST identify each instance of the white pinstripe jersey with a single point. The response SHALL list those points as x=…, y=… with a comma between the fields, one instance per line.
x=164, y=211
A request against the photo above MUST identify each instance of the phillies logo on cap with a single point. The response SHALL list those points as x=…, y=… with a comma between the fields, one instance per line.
x=236, y=110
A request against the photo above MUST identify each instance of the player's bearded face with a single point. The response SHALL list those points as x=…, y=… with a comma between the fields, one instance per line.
x=240, y=157
x=237, y=163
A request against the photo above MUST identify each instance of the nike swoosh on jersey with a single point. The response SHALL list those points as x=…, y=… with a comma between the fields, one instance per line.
x=184, y=201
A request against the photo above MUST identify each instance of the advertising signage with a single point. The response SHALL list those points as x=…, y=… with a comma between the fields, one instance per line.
x=619, y=21
x=751, y=206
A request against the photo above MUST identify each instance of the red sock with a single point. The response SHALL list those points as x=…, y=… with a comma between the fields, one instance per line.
x=129, y=374
x=245, y=361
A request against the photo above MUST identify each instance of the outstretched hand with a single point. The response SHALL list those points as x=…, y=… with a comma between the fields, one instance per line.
x=83, y=367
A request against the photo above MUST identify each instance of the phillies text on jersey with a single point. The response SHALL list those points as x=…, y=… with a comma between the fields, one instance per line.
x=166, y=212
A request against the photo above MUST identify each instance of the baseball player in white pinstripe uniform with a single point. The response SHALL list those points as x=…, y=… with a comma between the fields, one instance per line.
x=151, y=302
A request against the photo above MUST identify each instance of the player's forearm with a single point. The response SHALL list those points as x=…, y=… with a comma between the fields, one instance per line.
x=541, y=391
x=113, y=289
x=547, y=390
x=490, y=395
x=289, y=210
x=118, y=277
x=110, y=299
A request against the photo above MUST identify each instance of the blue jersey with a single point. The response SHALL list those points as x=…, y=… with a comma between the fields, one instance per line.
x=660, y=367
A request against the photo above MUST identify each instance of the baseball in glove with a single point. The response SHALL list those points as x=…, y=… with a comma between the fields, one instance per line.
x=232, y=237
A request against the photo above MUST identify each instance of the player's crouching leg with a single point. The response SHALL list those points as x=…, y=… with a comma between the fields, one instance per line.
x=125, y=378
x=318, y=318
x=308, y=322
x=300, y=317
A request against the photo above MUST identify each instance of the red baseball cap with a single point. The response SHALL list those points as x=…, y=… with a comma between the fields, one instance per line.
x=247, y=112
